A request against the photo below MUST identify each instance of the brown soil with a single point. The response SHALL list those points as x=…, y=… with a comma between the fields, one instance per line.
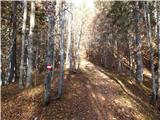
x=92, y=94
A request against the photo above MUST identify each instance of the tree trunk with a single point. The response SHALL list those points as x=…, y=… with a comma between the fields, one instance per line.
x=70, y=60
x=50, y=51
x=1, y=75
x=138, y=55
x=69, y=40
x=158, y=39
x=105, y=53
x=21, y=82
x=149, y=36
x=74, y=54
x=61, y=79
x=78, y=46
x=30, y=46
x=36, y=65
x=129, y=57
x=12, y=56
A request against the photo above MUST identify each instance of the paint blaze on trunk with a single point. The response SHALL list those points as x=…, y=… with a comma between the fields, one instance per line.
x=61, y=78
x=50, y=50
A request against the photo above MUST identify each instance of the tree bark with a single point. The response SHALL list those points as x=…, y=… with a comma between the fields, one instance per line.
x=30, y=45
x=138, y=55
x=129, y=58
x=69, y=40
x=78, y=45
x=158, y=39
x=50, y=50
x=36, y=65
x=21, y=82
x=12, y=56
x=61, y=79
x=149, y=36
x=1, y=75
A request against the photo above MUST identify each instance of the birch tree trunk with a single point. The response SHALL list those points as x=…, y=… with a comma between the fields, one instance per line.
x=74, y=53
x=50, y=50
x=78, y=45
x=61, y=79
x=21, y=83
x=1, y=75
x=129, y=57
x=105, y=53
x=149, y=35
x=158, y=39
x=69, y=40
x=12, y=56
x=70, y=58
x=36, y=65
x=30, y=45
x=151, y=51
x=138, y=55
x=54, y=51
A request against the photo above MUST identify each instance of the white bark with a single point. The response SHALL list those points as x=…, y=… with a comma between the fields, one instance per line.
x=12, y=55
x=69, y=40
x=23, y=45
x=78, y=45
x=138, y=56
x=61, y=79
x=30, y=45
x=151, y=50
x=158, y=39
x=50, y=51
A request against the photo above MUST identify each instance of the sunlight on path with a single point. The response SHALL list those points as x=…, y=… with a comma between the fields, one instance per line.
x=108, y=98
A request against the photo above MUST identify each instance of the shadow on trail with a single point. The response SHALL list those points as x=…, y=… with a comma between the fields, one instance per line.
x=88, y=95
x=137, y=92
x=81, y=100
x=73, y=105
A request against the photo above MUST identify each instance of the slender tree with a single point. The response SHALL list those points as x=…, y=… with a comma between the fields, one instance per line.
x=149, y=34
x=129, y=57
x=138, y=55
x=158, y=39
x=12, y=55
x=54, y=51
x=30, y=45
x=70, y=57
x=78, y=44
x=50, y=49
x=23, y=45
x=36, y=65
x=1, y=76
x=61, y=79
x=69, y=39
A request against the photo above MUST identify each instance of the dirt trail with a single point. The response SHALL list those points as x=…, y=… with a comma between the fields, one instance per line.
x=111, y=98
x=92, y=94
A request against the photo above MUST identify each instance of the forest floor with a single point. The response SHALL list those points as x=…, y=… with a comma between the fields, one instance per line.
x=92, y=94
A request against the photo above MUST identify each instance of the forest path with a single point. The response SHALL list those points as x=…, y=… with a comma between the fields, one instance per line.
x=91, y=94
x=114, y=97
